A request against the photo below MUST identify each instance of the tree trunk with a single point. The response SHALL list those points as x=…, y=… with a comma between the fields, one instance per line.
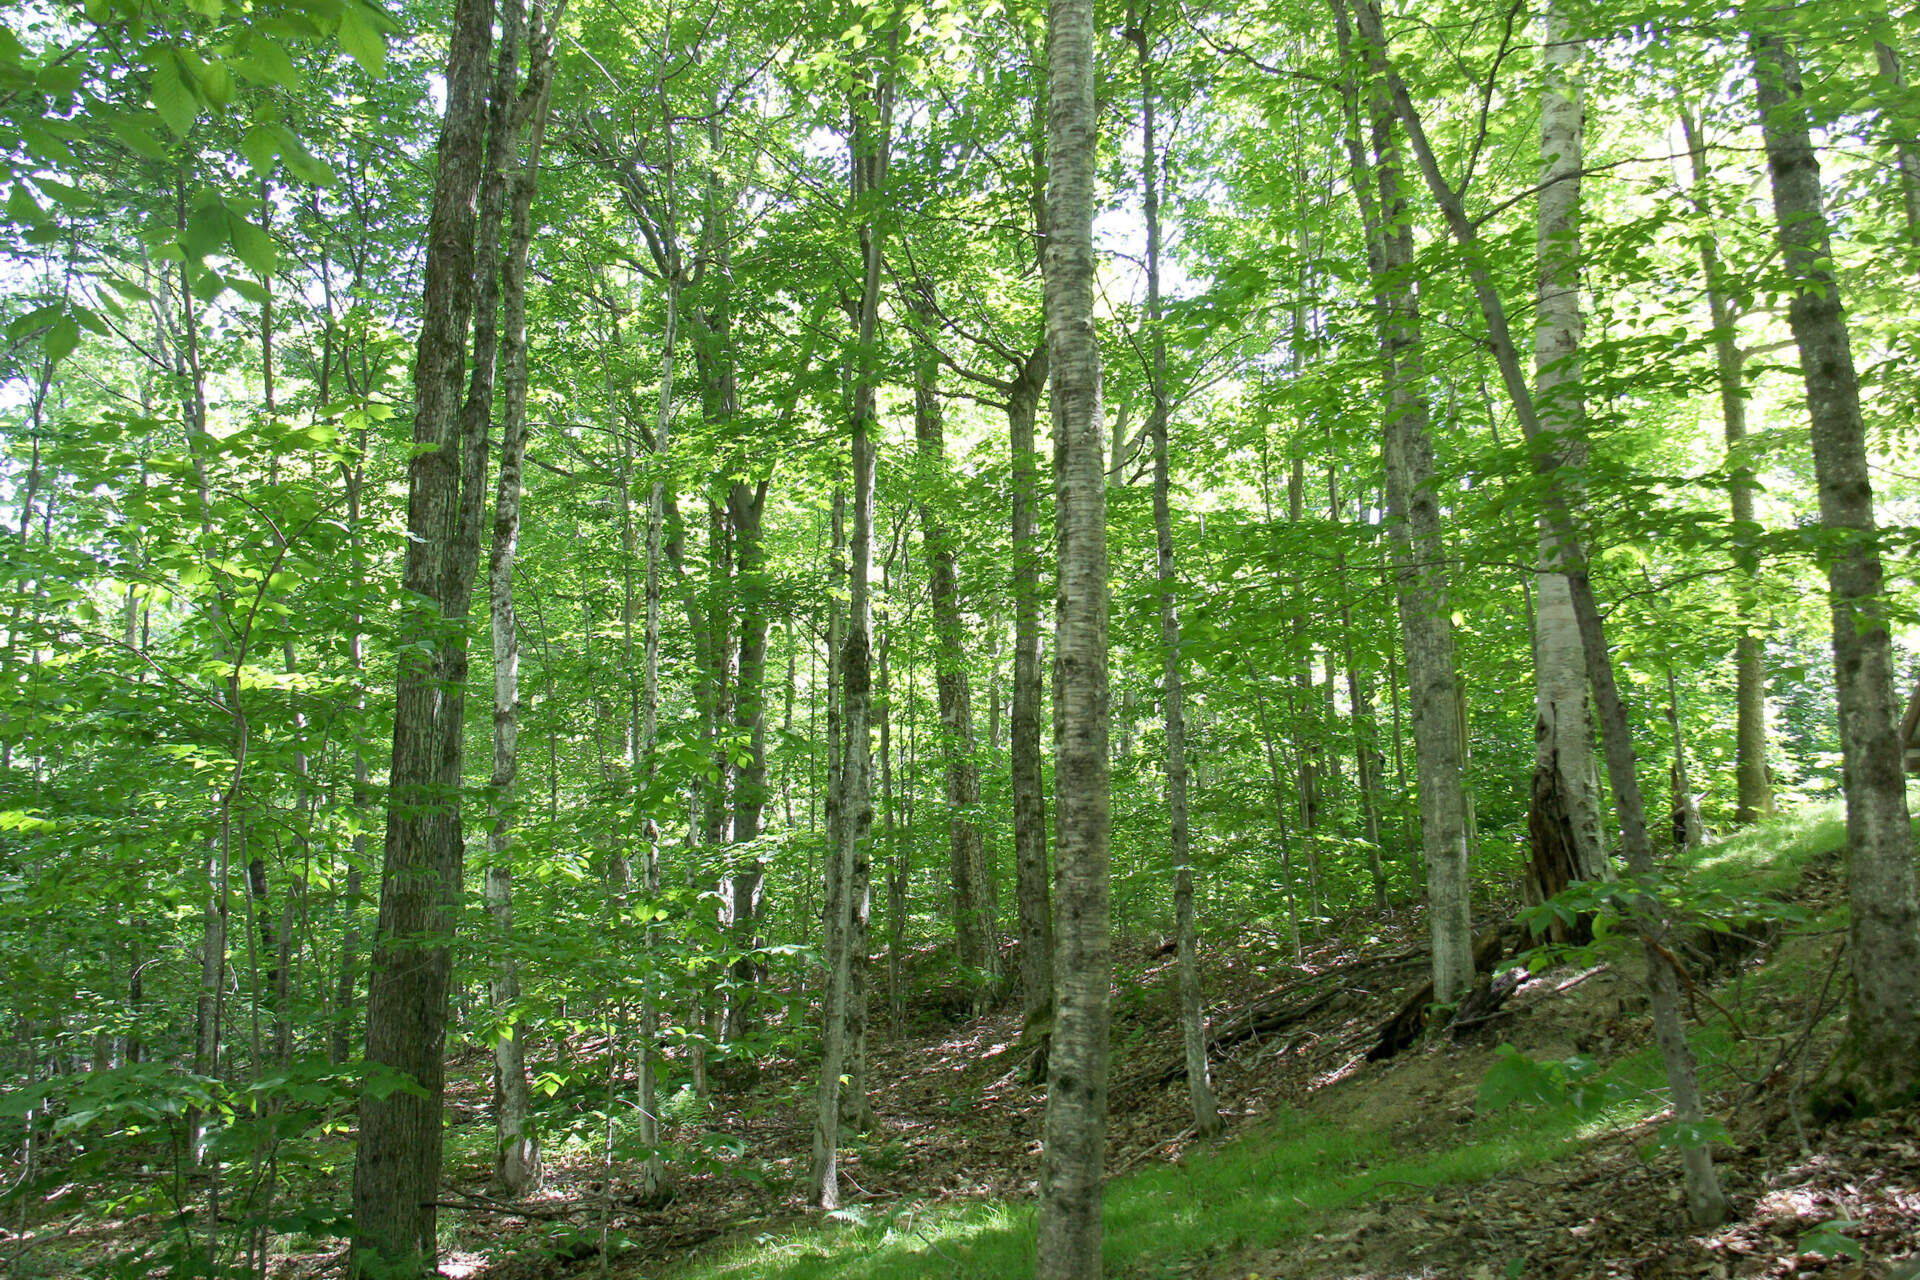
x=1706, y=1202
x=890, y=832
x=973, y=922
x=1072, y=1165
x=516, y=1150
x=1688, y=830
x=1753, y=786
x=1275, y=777
x=746, y=880
x=1566, y=784
x=869, y=143
x=1032, y=883
x=1906, y=148
x=1193, y=1031
x=1878, y=1064
x=1413, y=520
x=397, y=1161
x=1366, y=769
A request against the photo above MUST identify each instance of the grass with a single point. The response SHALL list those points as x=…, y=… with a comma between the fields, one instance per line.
x=1295, y=1175
x=1770, y=857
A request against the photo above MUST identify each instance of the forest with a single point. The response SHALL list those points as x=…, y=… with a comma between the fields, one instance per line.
x=875, y=638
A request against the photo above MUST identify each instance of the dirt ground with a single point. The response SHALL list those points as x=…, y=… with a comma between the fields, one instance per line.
x=957, y=1119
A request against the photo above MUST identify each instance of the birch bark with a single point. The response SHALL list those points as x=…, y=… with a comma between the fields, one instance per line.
x=1072, y=1165
x=1565, y=796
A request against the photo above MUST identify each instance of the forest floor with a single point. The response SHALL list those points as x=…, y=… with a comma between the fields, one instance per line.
x=1334, y=1167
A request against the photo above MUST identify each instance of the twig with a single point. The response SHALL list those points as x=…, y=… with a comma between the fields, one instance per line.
x=1694, y=988
x=1144, y=1153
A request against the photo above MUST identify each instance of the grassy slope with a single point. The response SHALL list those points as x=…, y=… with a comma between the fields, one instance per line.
x=1294, y=1175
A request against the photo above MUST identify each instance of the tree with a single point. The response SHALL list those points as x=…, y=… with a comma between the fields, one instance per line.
x=1420, y=569
x=973, y=922
x=1193, y=1032
x=516, y=1148
x=396, y=1180
x=869, y=146
x=1072, y=1172
x=1564, y=825
x=1879, y=1061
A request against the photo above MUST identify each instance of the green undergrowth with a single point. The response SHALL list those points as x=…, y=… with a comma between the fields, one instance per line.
x=1298, y=1173
x=1770, y=858
x=1292, y=1176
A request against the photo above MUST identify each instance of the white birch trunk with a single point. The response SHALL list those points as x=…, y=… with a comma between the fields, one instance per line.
x=1565, y=775
x=1072, y=1171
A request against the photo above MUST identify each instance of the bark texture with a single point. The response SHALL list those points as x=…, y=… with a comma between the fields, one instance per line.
x=1032, y=887
x=396, y=1177
x=868, y=143
x=1072, y=1165
x=1419, y=551
x=1566, y=783
x=1879, y=1060
x=517, y=1149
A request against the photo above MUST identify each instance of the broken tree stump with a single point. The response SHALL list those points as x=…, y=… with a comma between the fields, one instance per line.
x=1406, y=1026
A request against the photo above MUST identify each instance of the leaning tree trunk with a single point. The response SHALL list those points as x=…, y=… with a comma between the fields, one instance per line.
x=1879, y=1060
x=1706, y=1202
x=396, y=1177
x=1072, y=1164
x=1193, y=1031
x=1564, y=804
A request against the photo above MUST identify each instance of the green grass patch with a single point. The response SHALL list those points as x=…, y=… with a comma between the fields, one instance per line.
x=1292, y=1176
x=1770, y=857
x=1297, y=1173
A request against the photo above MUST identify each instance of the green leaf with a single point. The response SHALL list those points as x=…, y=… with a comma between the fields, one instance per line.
x=34, y=319
x=62, y=338
x=300, y=162
x=360, y=36
x=206, y=229
x=1690, y=1135
x=252, y=290
x=90, y=320
x=140, y=139
x=261, y=149
x=266, y=62
x=171, y=96
x=23, y=208
x=216, y=82
x=1829, y=1240
x=252, y=245
x=208, y=285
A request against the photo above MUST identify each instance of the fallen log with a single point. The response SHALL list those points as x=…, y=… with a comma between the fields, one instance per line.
x=1406, y=1026
x=1273, y=1012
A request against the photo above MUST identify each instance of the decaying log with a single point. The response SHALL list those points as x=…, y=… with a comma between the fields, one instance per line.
x=1406, y=1026
x=1283, y=1008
